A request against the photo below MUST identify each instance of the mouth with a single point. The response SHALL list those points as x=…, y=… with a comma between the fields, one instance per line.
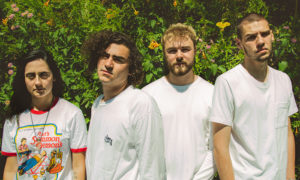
x=40, y=91
x=264, y=50
x=106, y=72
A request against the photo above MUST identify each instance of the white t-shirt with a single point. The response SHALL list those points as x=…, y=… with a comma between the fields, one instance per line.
x=64, y=132
x=185, y=111
x=258, y=114
x=125, y=138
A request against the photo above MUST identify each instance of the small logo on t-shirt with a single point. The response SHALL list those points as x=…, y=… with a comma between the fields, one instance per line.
x=108, y=140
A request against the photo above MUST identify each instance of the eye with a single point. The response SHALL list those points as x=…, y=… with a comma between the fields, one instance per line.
x=30, y=76
x=251, y=38
x=104, y=56
x=265, y=34
x=185, y=49
x=119, y=59
x=172, y=51
x=44, y=75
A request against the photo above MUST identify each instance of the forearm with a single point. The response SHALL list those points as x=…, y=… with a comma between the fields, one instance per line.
x=78, y=166
x=224, y=165
x=221, y=151
x=10, y=169
x=290, y=174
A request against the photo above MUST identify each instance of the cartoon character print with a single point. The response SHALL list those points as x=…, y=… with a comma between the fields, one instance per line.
x=55, y=162
x=35, y=161
x=23, y=150
x=32, y=163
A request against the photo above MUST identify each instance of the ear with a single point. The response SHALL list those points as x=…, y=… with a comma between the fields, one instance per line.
x=238, y=43
x=272, y=36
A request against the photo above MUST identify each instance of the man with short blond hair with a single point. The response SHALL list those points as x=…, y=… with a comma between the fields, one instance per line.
x=252, y=103
x=184, y=100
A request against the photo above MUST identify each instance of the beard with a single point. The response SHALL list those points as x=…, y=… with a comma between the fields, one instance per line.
x=180, y=68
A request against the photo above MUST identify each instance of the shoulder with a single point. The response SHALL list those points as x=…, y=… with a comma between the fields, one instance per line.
x=154, y=85
x=231, y=77
x=279, y=75
x=202, y=83
x=66, y=106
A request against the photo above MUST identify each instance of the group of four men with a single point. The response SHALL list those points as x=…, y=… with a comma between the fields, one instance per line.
x=179, y=125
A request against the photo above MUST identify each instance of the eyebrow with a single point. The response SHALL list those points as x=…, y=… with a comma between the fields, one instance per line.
x=182, y=47
x=267, y=31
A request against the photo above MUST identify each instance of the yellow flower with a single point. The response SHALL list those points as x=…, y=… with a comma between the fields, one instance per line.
x=203, y=55
x=136, y=12
x=4, y=21
x=7, y=102
x=46, y=3
x=153, y=45
x=110, y=13
x=175, y=3
x=222, y=25
x=50, y=22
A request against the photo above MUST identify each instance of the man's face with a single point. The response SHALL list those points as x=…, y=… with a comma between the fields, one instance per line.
x=38, y=79
x=256, y=40
x=113, y=67
x=179, y=55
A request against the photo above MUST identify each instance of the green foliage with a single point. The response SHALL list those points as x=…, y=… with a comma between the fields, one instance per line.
x=61, y=27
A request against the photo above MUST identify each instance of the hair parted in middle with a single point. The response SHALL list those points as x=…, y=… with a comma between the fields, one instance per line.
x=179, y=30
x=174, y=31
x=94, y=48
x=21, y=98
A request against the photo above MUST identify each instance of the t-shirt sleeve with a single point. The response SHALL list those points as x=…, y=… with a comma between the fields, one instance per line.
x=149, y=141
x=8, y=144
x=293, y=106
x=79, y=133
x=222, y=106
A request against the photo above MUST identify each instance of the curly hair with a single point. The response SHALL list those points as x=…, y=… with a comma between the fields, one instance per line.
x=21, y=98
x=94, y=48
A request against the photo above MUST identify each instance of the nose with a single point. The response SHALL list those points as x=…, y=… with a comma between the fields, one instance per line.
x=109, y=63
x=260, y=41
x=179, y=55
x=37, y=81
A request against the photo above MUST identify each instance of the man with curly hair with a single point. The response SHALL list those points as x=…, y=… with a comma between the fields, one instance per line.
x=125, y=139
x=184, y=100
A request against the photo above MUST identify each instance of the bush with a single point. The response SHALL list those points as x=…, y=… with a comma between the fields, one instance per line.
x=61, y=27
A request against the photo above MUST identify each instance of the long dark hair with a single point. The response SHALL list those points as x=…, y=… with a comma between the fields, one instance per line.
x=21, y=99
x=95, y=46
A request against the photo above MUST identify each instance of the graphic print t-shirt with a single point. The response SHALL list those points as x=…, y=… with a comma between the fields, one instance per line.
x=43, y=149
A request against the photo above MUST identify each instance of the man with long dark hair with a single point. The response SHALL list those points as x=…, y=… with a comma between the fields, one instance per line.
x=125, y=139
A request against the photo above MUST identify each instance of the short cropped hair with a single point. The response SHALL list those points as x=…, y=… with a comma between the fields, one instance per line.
x=21, y=98
x=252, y=17
x=179, y=30
x=94, y=48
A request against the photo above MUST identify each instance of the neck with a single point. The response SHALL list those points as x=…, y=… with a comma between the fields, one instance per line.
x=110, y=92
x=181, y=80
x=257, y=69
x=41, y=104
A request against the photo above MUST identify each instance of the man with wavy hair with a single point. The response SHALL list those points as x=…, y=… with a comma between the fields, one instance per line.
x=184, y=100
x=125, y=139
x=252, y=103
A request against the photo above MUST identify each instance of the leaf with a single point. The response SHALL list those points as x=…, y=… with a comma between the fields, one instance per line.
x=282, y=65
x=152, y=23
x=222, y=69
x=214, y=69
x=149, y=77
